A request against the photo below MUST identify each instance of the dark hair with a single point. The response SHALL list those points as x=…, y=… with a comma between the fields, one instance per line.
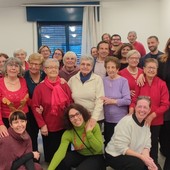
x=114, y=60
x=115, y=35
x=104, y=35
x=43, y=46
x=17, y=115
x=102, y=42
x=153, y=36
x=147, y=98
x=62, y=52
x=83, y=111
x=123, y=46
x=4, y=55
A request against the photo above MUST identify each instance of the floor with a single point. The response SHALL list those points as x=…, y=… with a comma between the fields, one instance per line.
x=45, y=165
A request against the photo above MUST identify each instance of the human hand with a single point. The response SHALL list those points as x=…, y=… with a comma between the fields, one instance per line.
x=62, y=81
x=132, y=93
x=149, y=119
x=39, y=109
x=36, y=155
x=90, y=124
x=141, y=80
x=44, y=130
x=3, y=131
x=107, y=100
x=149, y=162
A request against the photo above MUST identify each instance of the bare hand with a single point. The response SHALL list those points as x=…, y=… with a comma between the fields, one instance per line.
x=3, y=131
x=141, y=80
x=107, y=100
x=39, y=109
x=44, y=130
x=132, y=93
x=36, y=155
x=62, y=81
x=90, y=124
x=149, y=119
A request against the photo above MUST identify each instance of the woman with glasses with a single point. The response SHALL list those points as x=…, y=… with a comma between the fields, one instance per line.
x=86, y=140
x=33, y=76
x=48, y=103
x=130, y=145
x=45, y=51
x=59, y=54
x=157, y=90
x=13, y=93
x=87, y=89
x=132, y=72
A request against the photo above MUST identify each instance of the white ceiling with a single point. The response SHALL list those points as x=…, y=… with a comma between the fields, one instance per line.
x=14, y=3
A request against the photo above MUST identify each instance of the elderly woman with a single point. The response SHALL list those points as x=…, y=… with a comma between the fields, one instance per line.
x=69, y=69
x=132, y=72
x=158, y=92
x=45, y=51
x=13, y=92
x=22, y=54
x=3, y=58
x=130, y=145
x=33, y=76
x=87, y=89
x=53, y=97
x=117, y=97
x=86, y=139
x=121, y=54
x=59, y=54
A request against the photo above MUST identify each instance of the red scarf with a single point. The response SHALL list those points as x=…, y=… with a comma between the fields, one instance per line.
x=59, y=99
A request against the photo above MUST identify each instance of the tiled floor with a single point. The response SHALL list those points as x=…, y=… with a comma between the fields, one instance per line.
x=45, y=165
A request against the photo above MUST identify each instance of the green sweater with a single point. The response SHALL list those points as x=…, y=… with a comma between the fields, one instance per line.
x=93, y=141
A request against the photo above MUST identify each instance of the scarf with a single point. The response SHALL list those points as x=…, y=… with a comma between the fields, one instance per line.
x=59, y=98
x=85, y=78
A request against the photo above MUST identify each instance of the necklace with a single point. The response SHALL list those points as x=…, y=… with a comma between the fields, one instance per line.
x=131, y=72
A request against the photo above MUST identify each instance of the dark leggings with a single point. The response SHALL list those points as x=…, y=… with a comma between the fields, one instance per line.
x=26, y=160
x=125, y=162
x=81, y=162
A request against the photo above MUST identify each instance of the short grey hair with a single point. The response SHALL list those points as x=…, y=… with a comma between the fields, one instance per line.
x=132, y=32
x=131, y=52
x=68, y=54
x=19, y=51
x=50, y=60
x=87, y=57
x=13, y=60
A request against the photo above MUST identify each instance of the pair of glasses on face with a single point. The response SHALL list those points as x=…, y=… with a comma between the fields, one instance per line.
x=11, y=65
x=77, y=114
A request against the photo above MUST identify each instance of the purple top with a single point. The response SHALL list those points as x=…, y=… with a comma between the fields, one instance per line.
x=116, y=89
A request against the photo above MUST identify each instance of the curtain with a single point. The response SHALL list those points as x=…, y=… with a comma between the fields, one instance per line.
x=90, y=29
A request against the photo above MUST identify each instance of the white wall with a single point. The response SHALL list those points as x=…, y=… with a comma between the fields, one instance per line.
x=146, y=17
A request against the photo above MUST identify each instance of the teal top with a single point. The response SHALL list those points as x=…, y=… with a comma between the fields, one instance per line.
x=93, y=140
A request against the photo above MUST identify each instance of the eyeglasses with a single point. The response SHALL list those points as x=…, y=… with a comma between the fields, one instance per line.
x=34, y=64
x=77, y=114
x=116, y=39
x=151, y=68
x=57, y=54
x=13, y=65
x=84, y=64
x=133, y=58
x=52, y=67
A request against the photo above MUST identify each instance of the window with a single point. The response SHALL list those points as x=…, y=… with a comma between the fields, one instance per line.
x=66, y=36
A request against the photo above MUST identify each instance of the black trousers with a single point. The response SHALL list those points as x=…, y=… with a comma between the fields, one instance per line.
x=33, y=130
x=154, y=142
x=51, y=144
x=81, y=162
x=164, y=139
x=108, y=131
x=125, y=162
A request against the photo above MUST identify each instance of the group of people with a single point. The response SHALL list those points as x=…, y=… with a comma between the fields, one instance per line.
x=120, y=87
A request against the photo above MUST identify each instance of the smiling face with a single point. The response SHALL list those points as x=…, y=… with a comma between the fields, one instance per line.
x=19, y=125
x=21, y=55
x=103, y=50
x=58, y=55
x=132, y=37
x=111, y=69
x=76, y=117
x=86, y=67
x=34, y=66
x=70, y=61
x=133, y=60
x=124, y=51
x=150, y=70
x=152, y=44
x=2, y=61
x=13, y=69
x=142, y=109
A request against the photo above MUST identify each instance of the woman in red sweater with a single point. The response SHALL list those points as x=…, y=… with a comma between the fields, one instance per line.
x=157, y=90
x=13, y=92
x=53, y=97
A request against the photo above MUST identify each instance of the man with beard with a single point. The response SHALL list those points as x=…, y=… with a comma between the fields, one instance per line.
x=103, y=52
x=153, y=43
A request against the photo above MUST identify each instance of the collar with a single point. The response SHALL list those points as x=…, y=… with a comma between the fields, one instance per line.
x=137, y=122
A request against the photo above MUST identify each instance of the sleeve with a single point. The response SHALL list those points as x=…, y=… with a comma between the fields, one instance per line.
x=1, y=122
x=126, y=99
x=61, y=152
x=98, y=109
x=36, y=102
x=164, y=100
x=95, y=139
x=22, y=160
x=122, y=137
